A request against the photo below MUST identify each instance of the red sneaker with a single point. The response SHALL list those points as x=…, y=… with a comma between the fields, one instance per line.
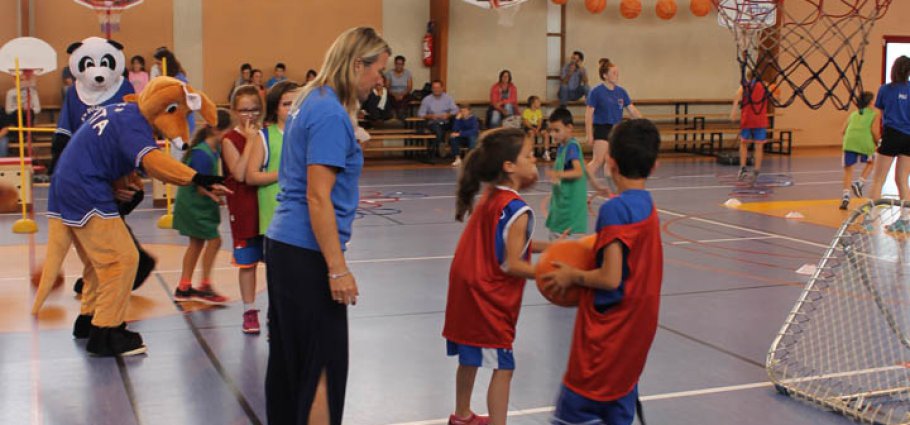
x=251, y=321
x=207, y=295
x=470, y=420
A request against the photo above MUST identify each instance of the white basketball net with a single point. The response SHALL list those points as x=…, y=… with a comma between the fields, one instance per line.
x=813, y=49
x=845, y=344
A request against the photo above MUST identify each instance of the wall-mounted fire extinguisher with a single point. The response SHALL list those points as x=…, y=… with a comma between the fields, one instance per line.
x=428, y=45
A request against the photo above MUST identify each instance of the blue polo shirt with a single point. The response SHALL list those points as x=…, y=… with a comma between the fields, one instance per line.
x=894, y=102
x=608, y=104
x=109, y=146
x=319, y=132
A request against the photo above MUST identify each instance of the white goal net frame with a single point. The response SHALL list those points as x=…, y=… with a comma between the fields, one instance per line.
x=845, y=345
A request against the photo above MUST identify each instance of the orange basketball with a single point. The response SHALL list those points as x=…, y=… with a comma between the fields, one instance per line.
x=36, y=278
x=572, y=253
x=595, y=6
x=630, y=9
x=559, y=2
x=589, y=241
x=666, y=9
x=700, y=7
x=9, y=198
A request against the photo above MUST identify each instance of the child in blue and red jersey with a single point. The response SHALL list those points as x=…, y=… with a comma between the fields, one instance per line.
x=618, y=307
x=488, y=272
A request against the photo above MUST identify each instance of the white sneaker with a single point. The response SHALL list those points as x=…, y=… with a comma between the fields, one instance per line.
x=546, y=156
x=457, y=162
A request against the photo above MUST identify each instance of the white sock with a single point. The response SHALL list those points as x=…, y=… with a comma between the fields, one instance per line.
x=846, y=193
x=248, y=307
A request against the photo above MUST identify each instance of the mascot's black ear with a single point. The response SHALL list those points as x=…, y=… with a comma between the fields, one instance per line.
x=72, y=48
x=115, y=44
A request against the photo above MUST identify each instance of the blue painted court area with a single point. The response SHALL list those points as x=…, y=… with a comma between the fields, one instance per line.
x=729, y=282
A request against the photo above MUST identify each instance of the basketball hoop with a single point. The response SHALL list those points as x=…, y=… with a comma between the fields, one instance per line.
x=108, y=12
x=505, y=9
x=811, y=48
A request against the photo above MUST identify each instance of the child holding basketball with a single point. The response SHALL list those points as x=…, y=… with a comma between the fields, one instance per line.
x=488, y=272
x=568, y=210
x=243, y=205
x=197, y=214
x=618, y=305
x=861, y=130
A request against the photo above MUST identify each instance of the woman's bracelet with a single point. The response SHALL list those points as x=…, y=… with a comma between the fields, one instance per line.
x=334, y=276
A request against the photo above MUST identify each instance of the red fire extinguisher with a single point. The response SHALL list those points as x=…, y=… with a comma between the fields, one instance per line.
x=428, y=45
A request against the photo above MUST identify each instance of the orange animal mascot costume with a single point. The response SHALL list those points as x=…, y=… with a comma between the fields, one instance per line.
x=109, y=148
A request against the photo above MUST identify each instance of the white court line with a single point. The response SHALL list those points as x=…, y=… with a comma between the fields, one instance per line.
x=656, y=397
x=747, y=229
x=691, y=393
x=754, y=238
x=699, y=176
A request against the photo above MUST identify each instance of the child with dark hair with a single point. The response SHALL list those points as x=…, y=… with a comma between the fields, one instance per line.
x=279, y=76
x=491, y=263
x=861, y=130
x=618, y=306
x=197, y=211
x=137, y=75
x=568, y=212
x=262, y=167
x=310, y=76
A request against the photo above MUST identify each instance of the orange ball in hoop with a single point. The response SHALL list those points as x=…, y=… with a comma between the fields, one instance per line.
x=571, y=253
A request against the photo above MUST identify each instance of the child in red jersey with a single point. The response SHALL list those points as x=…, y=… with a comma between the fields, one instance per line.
x=488, y=272
x=243, y=205
x=618, y=306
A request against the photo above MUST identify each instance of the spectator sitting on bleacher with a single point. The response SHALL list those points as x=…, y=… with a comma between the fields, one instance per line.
x=68, y=80
x=6, y=121
x=437, y=109
x=246, y=72
x=29, y=96
x=464, y=133
x=574, y=79
x=310, y=76
x=400, y=84
x=278, y=77
x=378, y=107
x=503, y=100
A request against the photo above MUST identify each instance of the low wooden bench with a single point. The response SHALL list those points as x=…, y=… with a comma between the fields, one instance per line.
x=413, y=142
x=710, y=141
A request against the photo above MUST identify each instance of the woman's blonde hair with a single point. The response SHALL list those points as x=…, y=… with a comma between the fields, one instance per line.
x=356, y=44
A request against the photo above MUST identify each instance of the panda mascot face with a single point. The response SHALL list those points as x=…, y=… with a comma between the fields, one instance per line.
x=97, y=64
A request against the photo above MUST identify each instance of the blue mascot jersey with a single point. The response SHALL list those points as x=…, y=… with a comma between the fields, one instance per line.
x=109, y=146
x=73, y=112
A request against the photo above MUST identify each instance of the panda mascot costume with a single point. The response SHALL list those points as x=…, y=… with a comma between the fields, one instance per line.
x=98, y=66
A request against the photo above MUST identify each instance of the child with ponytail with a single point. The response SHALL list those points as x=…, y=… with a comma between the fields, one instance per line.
x=488, y=271
x=197, y=214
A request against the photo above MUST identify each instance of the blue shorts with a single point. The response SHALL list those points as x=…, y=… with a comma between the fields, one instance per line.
x=493, y=358
x=247, y=252
x=757, y=135
x=575, y=409
x=851, y=158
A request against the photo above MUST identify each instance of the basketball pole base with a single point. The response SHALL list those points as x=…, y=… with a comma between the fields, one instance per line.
x=25, y=226
x=166, y=221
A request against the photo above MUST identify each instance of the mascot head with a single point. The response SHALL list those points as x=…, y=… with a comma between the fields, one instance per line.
x=165, y=103
x=97, y=64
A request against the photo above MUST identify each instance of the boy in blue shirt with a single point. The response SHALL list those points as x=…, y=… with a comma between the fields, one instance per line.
x=619, y=301
x=464, y=133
